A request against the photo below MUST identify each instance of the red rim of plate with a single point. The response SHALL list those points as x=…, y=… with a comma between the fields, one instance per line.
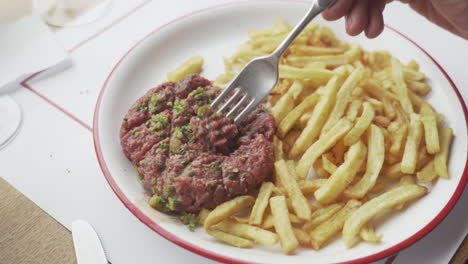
x=217, y=257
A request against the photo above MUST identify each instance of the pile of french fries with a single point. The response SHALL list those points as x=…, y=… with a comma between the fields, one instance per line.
x=356, y=118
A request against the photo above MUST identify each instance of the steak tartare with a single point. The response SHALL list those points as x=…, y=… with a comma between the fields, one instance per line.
x=189, y=157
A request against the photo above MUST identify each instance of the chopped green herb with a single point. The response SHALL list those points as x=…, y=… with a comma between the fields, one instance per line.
x=154, y=103
x=180, y=151
x=163, y=146
x=190, y=220
x=140, y=177
x=158, y=203
x=125, y=119
x=170, y=188
x=173, y=203
x=199, y=94
x=158, y=122
x=233, y=177
x=202, y=110
x=179, y=106
x=178, y=133
x=135, y=133
x=212, y=187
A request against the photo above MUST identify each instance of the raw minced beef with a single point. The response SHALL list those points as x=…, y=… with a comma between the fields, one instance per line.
x=190, y=157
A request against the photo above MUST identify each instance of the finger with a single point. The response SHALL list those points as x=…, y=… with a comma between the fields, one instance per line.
x=376, y=22
x=338, y=10
x=358, y=18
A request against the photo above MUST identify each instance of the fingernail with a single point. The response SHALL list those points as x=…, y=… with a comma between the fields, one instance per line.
x=349, y=22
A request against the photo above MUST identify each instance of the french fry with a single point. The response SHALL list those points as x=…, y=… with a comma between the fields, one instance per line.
x=353, y=110
x=310, y=186
x=440, y=160
x=361, y=125
x=416, y=100
x=248, y=231
x=329, y=166
x=261, y=203
x=283, y=226
x=376, y=104
x=303, y=50
x=378, y=187
x=339, y=150
x=302, y=237
x=412, y=75
x=319, y=76
x=202, y=216
x=278, y=144
x=290, y=138
x=329, y=60
x=304, y=119
x=292, y=168
x=428, y=173
x=191, y=66
x=367, y=211
x=321, y=215
x=321, y=146
x=288, y=122
x=269, y=221
x=400, y=88
x=418, y=87
x=412, y=65
x=326, y=230
x=398, y=133
x=410, y=156
x=231, y=239
x=241, y=219
x=367, y=234
x=343, y=98
x=284, y=106
x=431, y=133
x=382, y=121
x=222, y=212
x=318, y=118
x=405, y=180
x=344, y=175
x=307, y=187
x=375, y=159
x=299, y=202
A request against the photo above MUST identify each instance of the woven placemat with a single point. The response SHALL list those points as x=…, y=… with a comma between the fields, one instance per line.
x=28, y=234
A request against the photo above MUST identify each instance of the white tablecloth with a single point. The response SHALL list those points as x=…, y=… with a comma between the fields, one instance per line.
x=52, y=161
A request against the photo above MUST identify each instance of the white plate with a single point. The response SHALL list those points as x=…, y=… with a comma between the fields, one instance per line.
x=214, y=33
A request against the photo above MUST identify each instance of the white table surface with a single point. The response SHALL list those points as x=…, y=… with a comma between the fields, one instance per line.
x=52, y=161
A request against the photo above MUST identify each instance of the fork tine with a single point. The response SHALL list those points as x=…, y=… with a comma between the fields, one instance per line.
x=220, y=98
x=230, y=101
x=238, y=106
x=247, y=110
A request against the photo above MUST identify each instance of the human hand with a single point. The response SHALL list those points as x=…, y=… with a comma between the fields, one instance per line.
x=366, y=15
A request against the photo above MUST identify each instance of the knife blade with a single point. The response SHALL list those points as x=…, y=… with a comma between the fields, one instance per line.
x=88, y=247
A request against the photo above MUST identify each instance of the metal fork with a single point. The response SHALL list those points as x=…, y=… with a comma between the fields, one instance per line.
x=259, y=76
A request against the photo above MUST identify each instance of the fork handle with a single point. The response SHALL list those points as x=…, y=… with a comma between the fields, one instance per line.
x=317, y=7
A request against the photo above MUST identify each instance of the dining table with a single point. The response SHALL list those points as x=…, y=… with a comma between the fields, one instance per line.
x=49, y=173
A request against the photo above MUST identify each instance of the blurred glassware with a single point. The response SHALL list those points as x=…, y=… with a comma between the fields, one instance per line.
x=70, y=13
x=10, y=119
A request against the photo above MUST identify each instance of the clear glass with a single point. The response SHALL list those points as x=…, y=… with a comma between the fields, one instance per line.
x=69, y=13
x=10, y=120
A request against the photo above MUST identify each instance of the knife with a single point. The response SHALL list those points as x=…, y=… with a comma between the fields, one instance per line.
x=88, y=248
